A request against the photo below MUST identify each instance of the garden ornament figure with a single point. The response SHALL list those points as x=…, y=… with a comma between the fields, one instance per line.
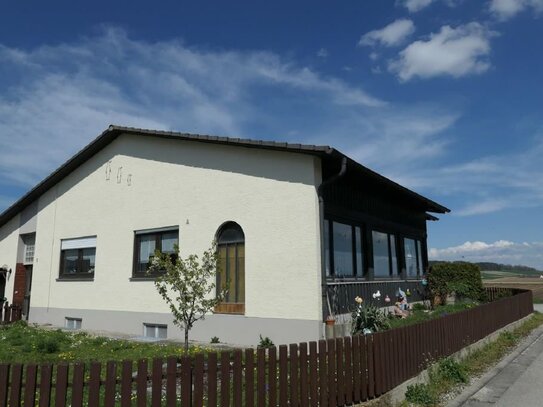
x=377, y=295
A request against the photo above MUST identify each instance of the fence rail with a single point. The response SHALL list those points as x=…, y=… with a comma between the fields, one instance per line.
x=335, y=372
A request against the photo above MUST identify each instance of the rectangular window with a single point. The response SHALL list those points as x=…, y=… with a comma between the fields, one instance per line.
x=156, y=331
x=77, y=258
x=380, y=254
x=410, y=249
x=385, y=261
x=343, y=250
x=147, y=242
x=29, y=244
x=72, y=323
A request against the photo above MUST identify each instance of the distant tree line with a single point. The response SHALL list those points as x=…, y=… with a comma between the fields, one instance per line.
x=489, y=266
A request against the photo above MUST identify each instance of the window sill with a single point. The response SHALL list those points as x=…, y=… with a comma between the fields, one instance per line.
x=143, y=278
x=230, y=308
x=75, y=278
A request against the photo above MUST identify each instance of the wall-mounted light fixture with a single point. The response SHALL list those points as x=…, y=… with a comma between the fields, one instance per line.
x=6, y=271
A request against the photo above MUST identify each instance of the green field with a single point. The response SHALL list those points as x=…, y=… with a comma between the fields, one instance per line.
x=491, y=275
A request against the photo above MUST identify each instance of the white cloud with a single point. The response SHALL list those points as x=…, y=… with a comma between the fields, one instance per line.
x=323, y=53
x=416, y=5
x=54, y=99
x=501, y=251
x=393, y=34
x=480, y=208
x=452, y=51
x=506, y=9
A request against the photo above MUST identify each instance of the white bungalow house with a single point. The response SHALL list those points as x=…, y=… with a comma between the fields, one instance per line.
x=301, y=230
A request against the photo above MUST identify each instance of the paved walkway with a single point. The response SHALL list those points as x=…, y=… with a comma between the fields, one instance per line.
x=516, y=381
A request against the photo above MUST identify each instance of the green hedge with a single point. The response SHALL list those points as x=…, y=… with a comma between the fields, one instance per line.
x=462, y=278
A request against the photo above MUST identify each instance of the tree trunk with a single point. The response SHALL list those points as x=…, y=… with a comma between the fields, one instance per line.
x=186, y=340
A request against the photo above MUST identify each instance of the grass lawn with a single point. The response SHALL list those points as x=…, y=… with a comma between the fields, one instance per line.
x=27, y=344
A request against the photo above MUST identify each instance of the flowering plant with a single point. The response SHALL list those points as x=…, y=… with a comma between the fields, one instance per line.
x=367, y=318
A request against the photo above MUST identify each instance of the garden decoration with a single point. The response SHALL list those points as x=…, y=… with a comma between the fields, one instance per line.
x=376, y=295
x=387, y=298
x=408, y=292
x=424, y=282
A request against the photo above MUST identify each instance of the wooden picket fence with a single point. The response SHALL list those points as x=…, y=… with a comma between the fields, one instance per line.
x=336, y=372
x=10, y=313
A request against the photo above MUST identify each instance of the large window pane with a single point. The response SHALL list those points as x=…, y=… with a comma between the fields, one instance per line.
x=71, y=258
x=359, y=256
x=410, y=248
x=343, y=249
x=380, y=254
x=394, y=259
x=169, y=240
x=419, y=256
x=88, y=256
x=147, y=249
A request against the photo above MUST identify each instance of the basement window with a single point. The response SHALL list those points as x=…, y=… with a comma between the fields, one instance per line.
x=156, y=331
x=72, y=323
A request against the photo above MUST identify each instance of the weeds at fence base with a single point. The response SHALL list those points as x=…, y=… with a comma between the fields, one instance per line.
x=449, y=375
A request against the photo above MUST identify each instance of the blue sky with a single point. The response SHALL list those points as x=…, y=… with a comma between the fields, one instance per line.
x=443, y=96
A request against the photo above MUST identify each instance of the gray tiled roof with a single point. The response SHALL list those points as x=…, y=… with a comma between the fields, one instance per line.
x=113, y=132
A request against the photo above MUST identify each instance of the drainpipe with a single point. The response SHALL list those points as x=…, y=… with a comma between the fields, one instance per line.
x=320, y=189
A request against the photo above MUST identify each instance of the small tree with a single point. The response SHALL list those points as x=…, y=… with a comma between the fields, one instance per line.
x=187, y=286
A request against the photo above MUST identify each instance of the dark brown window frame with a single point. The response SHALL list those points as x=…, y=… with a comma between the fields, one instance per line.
x=355, y=245
x=235, y=307
x=79, y=275
x=137, y=273
x=398, y=240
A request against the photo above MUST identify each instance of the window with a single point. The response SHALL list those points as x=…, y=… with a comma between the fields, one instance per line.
x=77, y=258
x=343, y=250
x=148, y=241
x=156, y=331
x=413, y=258
x=29, y=245
x=385, y=261
x=72, y=323
x=231, y=273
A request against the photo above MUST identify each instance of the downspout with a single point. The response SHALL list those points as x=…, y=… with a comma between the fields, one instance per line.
x=320, y=189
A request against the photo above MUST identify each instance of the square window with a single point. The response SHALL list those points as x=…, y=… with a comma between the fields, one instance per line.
x=147, y=242
x=77, y=258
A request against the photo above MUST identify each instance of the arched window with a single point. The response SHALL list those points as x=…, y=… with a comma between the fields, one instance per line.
x=231, y=273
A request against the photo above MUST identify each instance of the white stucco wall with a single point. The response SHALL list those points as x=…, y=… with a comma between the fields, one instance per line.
x=196, y=186
x=9, y=238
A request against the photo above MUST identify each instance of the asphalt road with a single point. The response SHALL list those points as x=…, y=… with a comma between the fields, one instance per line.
x=516, y=381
